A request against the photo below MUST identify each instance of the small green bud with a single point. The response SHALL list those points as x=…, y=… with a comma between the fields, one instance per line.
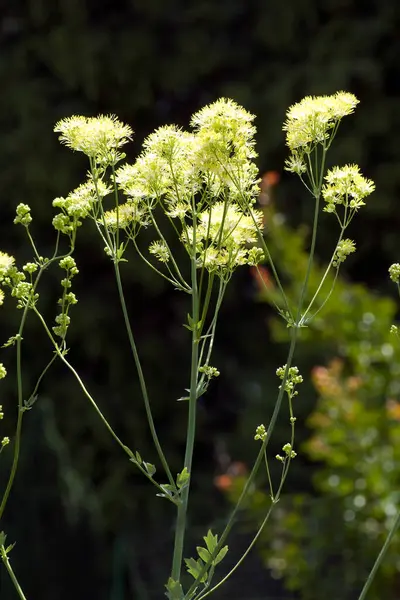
x=68, y=263
x=30, y=267
x=23, y=215
x=287, y=448
x=209, y=371
x=261, y=433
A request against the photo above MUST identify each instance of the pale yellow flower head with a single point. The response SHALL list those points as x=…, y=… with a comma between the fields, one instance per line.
x=165, y=169
x=343, y=249
x=225, y=137
x=160, y=250
x=79, y=203
x=6, y=262
x=223, y=234
x=345, y=185
x=126, y=215
x=311, y=120
x=97, y=137
x=148, y=177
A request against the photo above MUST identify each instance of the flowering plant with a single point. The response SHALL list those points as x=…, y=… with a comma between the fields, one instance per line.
x=204, y=185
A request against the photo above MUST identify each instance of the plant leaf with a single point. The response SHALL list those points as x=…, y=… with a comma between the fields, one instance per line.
x=221, y=555
x=149, y=468
x=204, y=554
x=211, y=541
x=194, y=567
x=174, y=590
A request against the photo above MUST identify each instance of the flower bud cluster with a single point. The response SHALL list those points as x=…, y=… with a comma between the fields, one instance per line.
x=261, y=433
x=209, y=371
x=293, y=378
x=68, y=298
x=289, y=453
x=23, y=215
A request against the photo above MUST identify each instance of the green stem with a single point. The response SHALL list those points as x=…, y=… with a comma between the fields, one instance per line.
x=191, y=426
x=380, y=558
x=310, y=260
x=11, y=573
x=322, y=280
x=275, y=499
x=142, y=382
x=21, y=408
x=60, y=354
x=256, y=466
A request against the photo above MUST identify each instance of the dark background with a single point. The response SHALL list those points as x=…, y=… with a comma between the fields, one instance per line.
x=86, y=525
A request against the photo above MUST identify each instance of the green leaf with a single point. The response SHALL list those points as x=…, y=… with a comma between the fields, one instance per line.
x=194, y=567
x=138, y=458
x=211, y=541
x=149, y=468
x=204, y=554
x=221, y=555
x=174, y=590
x=182, y=478
x=3, y=538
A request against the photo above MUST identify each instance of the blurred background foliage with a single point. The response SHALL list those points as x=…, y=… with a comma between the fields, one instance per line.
x=86, y=524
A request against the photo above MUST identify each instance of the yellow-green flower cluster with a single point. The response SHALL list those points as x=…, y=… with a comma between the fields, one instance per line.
x=15, y=280
x=343, y=249
x=206, y=179
x=98, y=137
x=394, y=272
x=175, y=165
x=125, y=216
x=6, y=262
x=225, y=150
x=165, y=169
x=311, y=120
x=160, y=250
x=345, y=185
x=222, y=235
x=80, y=202
x=7, y=269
